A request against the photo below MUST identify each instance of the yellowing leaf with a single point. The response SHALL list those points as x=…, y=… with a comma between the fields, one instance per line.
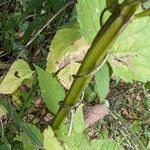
x=62, y=44
x=52, y=91
x=50, y=142
x=18, y=72
x=65, y=75
x=67, y=46
x=130, y=55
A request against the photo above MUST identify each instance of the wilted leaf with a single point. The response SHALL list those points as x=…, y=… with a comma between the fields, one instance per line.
x=130, y=55
x=89, y=17
x=18, y=72
x=102, y=82
x=52, y=91
x=78, y=121
x=50, y=142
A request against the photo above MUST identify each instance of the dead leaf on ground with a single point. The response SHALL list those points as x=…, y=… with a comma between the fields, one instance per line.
x=93, y=114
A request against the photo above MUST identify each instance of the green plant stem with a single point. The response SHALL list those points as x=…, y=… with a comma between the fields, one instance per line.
x=94, y=57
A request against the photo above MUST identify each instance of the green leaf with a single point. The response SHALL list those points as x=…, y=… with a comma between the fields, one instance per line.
x=5, y=146
x=36, y=132
x=80, y=140
x=136, y=126
x=89, y=93
x=35, y=25
x=102, y=82
x=50, y=141
x=17, y=145
x=147, y=86
x=78, y=121
x=89, y=17
x=104, y=145
x=57, y=4
x=66, y=139
x=130, y=55
x=27, y=144
x=18, y=72
x=52, y=91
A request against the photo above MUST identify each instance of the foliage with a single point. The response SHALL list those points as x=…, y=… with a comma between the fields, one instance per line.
x=19, y=72
x=102, y=82
x=78, y=122
x=50, y=142
x=43, y=75
x=131, y=61
x=52, y=91
x=89, y=20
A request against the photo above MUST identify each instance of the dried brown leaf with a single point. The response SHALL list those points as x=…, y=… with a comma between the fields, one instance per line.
x=92, y=114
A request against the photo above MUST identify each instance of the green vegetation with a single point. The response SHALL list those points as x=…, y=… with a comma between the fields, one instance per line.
x=74, y=74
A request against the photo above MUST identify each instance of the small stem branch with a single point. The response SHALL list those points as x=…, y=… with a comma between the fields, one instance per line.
x=94, y=57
